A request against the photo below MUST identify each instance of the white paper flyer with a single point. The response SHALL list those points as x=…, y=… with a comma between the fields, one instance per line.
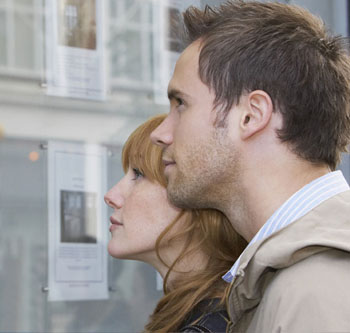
x=77, y=222
x=75, y=49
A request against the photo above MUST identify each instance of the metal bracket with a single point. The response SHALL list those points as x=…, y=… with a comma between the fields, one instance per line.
x=43, y=146
x=45, y=289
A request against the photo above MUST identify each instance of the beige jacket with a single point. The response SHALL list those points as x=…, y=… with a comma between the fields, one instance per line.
x=298, y=279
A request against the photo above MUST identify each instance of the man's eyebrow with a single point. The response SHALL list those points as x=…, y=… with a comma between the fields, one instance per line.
x=174, y=93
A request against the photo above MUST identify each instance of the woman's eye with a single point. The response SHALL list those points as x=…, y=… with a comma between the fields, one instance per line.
x=137, y=173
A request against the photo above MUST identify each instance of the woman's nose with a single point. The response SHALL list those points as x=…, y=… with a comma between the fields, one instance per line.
x=114, y=198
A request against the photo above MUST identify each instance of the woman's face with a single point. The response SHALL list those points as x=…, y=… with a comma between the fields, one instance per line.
x=141, y=213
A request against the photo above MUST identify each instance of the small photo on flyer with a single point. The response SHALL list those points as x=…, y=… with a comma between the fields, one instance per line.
x=78, y=217
x=77, y=23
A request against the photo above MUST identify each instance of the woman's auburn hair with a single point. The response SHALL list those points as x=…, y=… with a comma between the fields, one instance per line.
x=208, y=231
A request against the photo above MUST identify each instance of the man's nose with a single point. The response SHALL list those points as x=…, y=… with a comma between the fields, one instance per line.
x=162, y=135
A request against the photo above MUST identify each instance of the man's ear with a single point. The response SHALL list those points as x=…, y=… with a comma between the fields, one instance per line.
x=256, y=113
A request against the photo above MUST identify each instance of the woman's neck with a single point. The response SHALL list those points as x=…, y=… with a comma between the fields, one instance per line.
x=191, y=264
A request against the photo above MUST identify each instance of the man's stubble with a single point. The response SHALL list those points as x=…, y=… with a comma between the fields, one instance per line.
x=207, y=175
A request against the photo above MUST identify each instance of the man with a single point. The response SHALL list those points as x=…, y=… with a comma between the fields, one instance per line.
x=259, y=116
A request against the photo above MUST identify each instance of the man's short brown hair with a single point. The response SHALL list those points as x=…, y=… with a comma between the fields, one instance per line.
x=287, y=52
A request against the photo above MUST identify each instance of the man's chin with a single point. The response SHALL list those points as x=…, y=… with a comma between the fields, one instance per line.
x=180, y=198
x=173, y=190
x=178, y=201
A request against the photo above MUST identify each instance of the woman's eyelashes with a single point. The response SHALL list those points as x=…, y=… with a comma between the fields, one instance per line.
x=136, y=173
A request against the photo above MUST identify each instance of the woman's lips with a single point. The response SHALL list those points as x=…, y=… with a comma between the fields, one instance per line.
x=114, y=223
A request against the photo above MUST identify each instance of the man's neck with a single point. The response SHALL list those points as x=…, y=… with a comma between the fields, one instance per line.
x=266, y=189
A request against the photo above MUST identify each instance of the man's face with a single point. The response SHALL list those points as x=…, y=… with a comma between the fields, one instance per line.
x=200, y=159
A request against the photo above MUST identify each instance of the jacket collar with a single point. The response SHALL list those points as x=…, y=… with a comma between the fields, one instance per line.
x=321, y=229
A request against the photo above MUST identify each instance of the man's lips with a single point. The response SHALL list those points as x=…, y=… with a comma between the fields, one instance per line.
x=168, y=162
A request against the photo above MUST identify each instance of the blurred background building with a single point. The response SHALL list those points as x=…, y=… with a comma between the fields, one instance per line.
x=135, y=53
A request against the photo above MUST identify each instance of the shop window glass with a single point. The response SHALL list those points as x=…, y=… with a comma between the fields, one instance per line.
x=3, y=55
x=126, y=56
x=24, y=3
x=24, y=40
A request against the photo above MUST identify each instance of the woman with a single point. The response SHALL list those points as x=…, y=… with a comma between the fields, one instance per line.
x=190, y=249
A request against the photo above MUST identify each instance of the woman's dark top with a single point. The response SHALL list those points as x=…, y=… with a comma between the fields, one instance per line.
x=212, y=318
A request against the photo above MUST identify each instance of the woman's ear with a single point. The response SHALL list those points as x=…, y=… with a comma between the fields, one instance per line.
x=256, y=113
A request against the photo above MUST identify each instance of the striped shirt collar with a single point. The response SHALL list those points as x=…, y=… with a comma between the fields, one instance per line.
x=298, y=205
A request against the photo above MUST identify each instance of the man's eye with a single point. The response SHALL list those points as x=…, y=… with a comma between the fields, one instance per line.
x=179, y=101
x=137, y=173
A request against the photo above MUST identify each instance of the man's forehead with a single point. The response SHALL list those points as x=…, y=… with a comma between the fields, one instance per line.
x=190, y=54
x=186, y=68
x=181, y=85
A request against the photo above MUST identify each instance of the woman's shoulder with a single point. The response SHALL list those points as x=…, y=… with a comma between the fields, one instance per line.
x=208, y=316
x=213, y=322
